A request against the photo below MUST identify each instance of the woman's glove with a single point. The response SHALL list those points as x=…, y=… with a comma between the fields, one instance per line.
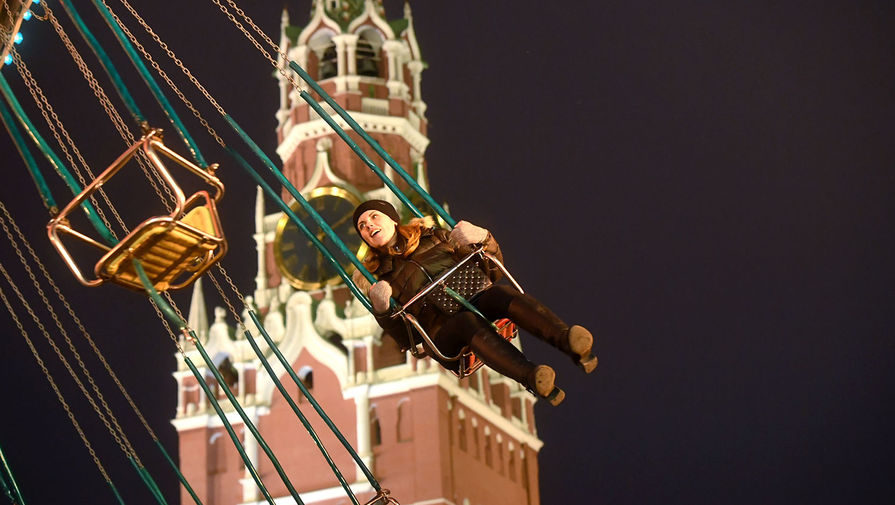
x=466, y=233
x=379, y=296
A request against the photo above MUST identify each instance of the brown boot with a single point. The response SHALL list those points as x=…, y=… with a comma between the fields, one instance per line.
x=580, y=343
x=576, y=342
x=541, y=382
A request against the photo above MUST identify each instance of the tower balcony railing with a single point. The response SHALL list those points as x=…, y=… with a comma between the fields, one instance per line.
x=378, y=106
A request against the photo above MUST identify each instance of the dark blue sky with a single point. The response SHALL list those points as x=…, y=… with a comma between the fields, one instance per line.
x=707, y=186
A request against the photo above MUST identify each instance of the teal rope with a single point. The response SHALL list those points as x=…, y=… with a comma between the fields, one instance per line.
x=104, y=60
x=115, y=492
x=360, y=153
x=11, y=489
x=180, y=323
x=298, y=412
x=186, y=484
x=150, y=82
x=30, y=162
x=54, y=160
x=310, y=397
x=299, y=198
x=245, y=419
x=375, y=145
x=147, y=481
x=304, y=229
x=217, y=408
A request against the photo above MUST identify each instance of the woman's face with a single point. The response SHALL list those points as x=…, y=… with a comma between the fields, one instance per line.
x=377, y=229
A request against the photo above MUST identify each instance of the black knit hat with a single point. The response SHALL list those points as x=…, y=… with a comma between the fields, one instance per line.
x=380, y=205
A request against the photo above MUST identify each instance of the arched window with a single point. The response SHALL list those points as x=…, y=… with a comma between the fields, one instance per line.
x=511, y=465
x=405, y=421
x=375, y=428
x=329, y=62
x=461, y=430
x=306, y=375
x=367, y=53
x=500, y=461
x=217, y=454
x=476, y=439
x=489, y=459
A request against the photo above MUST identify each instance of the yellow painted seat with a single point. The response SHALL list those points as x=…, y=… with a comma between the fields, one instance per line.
x=174, y=249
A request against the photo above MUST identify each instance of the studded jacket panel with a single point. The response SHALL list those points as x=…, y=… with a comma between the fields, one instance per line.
x=407, y=276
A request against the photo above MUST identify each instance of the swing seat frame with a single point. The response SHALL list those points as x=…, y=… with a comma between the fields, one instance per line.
x=173, y=249
x=466, y=361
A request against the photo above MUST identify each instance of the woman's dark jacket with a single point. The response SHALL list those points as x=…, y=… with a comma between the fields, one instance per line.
x=435, y=253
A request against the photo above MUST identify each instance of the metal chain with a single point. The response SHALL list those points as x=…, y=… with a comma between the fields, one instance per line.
x=113, y=114
x=280, y=68
x=74, y=316
x=230, y=306
x=47, y=111
x=232, y=285
x=64, y=361
x=59, y=396
x=110, y=109
x=163, y=74
x=68, y=341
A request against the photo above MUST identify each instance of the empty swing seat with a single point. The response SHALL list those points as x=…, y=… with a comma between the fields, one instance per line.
x=173, y=249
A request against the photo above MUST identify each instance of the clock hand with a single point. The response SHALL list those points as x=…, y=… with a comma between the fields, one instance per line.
x=340, y=221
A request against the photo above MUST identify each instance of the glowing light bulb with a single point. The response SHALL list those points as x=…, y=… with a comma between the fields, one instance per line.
x=27, y=16
x=8, y=59
x=18, y=38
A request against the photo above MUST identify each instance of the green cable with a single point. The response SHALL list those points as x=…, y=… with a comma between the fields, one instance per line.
x=150, y=82
x=186, y=484
x=310, y=397
x=245, y=418
x=115, y=492
x=304, y=229
x=104, y=60
x=298, y=412
x=233, y=436
x=375, y=145
x=10, y=489
x=54, y=160
x=180, y=323
x=147, y=480
x=30, y=162
x=360, y=153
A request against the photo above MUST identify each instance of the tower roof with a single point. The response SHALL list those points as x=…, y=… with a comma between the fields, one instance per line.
x=346, y=13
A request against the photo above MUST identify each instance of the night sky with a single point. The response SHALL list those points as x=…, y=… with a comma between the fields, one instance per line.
x=707, y=186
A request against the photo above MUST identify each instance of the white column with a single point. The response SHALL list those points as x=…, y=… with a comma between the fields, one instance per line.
x=368, y=343
x=395, y=83
x=341, y=44
x=261, y=248
x=250, y=491
x=364, y=450
x=351, y=53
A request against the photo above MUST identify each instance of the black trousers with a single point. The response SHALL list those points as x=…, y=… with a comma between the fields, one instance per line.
x=467, y=329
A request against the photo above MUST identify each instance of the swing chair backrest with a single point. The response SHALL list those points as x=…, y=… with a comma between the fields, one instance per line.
x=466, y=360
x=174, y=249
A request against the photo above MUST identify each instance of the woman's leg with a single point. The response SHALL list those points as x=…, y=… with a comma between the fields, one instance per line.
x=466, y=329
x=532, y=316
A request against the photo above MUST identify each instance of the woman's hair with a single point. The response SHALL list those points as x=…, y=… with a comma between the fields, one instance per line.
x=408, y=239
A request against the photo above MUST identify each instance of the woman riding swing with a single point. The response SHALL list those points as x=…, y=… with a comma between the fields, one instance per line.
x=405, y=258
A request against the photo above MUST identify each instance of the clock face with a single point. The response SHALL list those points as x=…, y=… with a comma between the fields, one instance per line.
x=300, y=262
